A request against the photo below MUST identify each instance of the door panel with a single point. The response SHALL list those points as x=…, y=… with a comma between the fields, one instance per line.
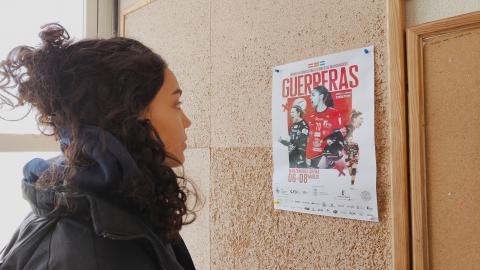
x=444, y=122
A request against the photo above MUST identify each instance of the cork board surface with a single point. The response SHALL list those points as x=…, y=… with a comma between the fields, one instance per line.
x=452, y=116
x=250, y=37
x=247, y=233
x=222, y=53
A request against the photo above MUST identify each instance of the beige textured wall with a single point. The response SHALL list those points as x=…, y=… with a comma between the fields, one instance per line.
x=421, y=11
x=222, y=53
x=123, y=4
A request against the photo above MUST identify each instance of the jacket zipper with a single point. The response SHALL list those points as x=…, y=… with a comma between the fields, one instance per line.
x=122, y=237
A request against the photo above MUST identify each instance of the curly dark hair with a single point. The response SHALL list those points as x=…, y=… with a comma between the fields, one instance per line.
x=105, y=83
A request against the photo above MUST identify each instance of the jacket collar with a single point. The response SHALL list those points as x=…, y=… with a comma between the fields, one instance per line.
x=112, y=162
x=105, y=216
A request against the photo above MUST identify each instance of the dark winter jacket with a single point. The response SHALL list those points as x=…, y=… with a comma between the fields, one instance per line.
x=82, y=231
x=106, y=237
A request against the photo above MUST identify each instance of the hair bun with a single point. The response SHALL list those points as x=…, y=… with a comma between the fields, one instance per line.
x=53, y=34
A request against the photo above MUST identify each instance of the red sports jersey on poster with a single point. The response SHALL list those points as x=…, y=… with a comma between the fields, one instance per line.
x=321, y=125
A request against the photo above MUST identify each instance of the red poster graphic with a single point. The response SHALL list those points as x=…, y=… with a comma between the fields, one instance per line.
x=323, y=102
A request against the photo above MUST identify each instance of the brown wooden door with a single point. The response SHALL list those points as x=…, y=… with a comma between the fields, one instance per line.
x=444, y=138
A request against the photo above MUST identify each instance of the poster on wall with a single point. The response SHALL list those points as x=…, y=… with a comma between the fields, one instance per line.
x=323, y=136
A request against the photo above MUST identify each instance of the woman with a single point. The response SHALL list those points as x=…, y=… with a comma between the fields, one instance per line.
x=297, y=141
x=352, y=153
x=112, y=199
x=352, y=150
x=322, y=122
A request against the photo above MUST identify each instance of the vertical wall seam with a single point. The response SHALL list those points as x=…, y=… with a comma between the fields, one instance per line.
x=210, y=94
x=210, y=186
x=98, y=6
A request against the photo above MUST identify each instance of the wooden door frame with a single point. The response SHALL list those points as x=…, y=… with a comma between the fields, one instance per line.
x=398, y=133
x=122, y=25
x=416, y=120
